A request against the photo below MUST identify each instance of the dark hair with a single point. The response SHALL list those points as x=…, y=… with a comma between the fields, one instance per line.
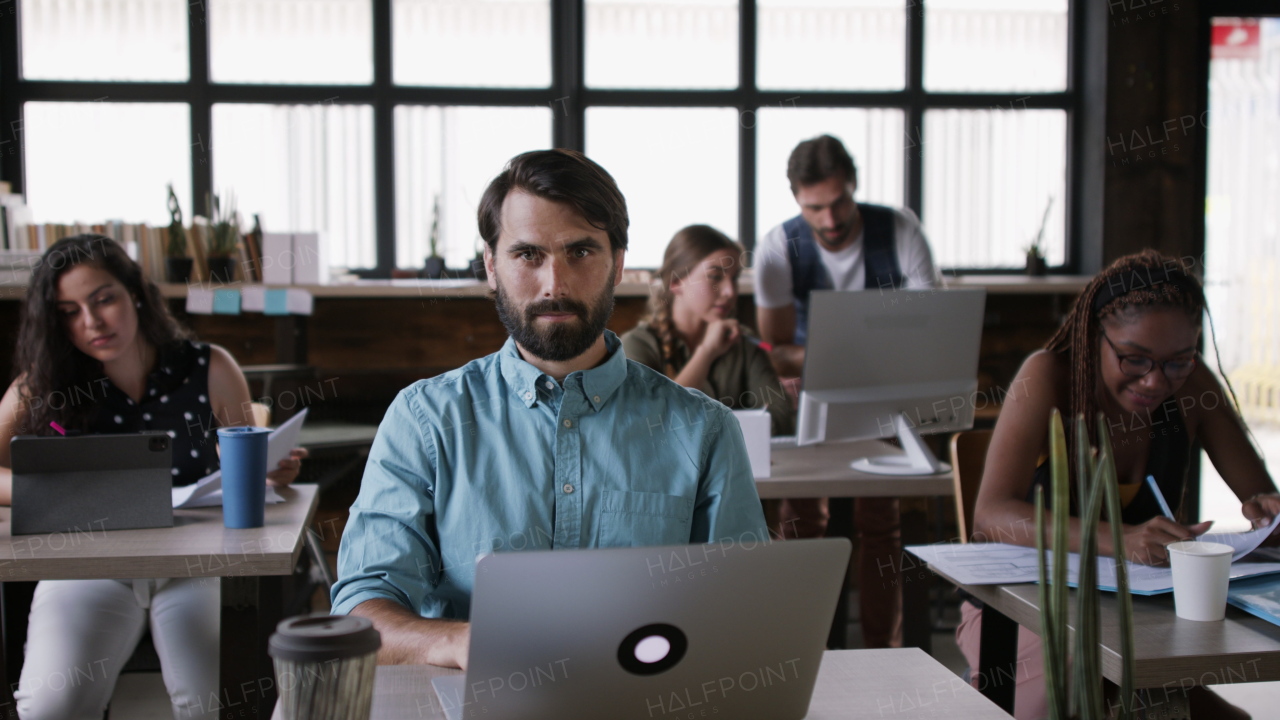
x=563, y=176
x=689, y=246
x=1131, y=286
x=817, y=159
x=46, y=359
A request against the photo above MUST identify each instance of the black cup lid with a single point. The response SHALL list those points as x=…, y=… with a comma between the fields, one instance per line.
x=316, y=638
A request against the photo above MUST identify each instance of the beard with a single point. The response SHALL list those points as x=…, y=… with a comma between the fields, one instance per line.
x=560, y=341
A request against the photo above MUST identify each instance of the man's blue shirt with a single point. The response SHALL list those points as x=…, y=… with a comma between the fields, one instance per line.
x=497, y=456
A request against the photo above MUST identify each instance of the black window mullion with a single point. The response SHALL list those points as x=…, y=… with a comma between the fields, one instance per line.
x=201, y=108
x=11, y=136
x=913, y=160
x=747, y=119
x=568, y=78
x=384, y=143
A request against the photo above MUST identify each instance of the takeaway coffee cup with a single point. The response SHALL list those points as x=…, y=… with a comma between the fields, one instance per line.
x=324, y=667
x=1201, y=571
x=244, y=475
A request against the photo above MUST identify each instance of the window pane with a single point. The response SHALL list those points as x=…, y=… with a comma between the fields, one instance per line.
x=832, y=44
x=988, y=176
x=1242, y=232
x=873, y=137
x=304, y=168
x=452, y=153
x=484, y=43
x=675, y=166
x=995, y=45
x=134, y=40
x=306, y=42
x=662, y=43
x=96, y=161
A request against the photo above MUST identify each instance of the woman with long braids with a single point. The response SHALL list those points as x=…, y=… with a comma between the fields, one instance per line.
x=690, y=333
x=1127, y=350
x=98, y=352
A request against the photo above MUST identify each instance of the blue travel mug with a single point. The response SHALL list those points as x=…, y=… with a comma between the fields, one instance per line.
x=244, y=475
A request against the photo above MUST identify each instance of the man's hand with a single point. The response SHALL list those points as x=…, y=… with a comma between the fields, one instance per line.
x=1146, y=543
x=409, y=639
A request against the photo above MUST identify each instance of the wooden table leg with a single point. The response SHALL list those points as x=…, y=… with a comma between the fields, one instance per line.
x=917, y=621
x=251, y=609
x=840, y=524
x=997, y=658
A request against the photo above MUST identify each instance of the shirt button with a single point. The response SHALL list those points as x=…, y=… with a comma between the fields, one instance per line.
x=568, y=423
x=550, y=385
x=568, y=488
x=528, y=396
x=595, y=399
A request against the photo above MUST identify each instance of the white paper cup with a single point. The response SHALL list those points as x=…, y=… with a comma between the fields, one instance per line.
x=1201, y=571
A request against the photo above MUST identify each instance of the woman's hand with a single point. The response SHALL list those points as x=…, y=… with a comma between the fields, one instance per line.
x=1261, y=510
x=720, y=335
x=1146, y=543
x=287, y=471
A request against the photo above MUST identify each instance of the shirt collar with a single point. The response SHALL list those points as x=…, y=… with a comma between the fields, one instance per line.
x=598, y=384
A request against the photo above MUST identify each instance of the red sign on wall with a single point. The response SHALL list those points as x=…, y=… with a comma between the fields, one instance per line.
x=1236, y=38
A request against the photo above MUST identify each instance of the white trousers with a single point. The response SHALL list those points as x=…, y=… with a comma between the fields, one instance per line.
x=81, y=633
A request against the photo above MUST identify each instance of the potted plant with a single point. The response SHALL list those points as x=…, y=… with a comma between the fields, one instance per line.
x=1036, y=265
x=177, y=262
x=434, y=267
x=1073, y=672
x=224, y=240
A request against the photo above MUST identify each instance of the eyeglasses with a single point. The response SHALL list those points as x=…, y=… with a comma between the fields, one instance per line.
x=1136, y=366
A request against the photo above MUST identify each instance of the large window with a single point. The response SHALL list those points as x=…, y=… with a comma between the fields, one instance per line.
x=378, y=123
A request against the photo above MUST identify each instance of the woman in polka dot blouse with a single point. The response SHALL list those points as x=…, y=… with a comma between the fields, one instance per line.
x=98, y=352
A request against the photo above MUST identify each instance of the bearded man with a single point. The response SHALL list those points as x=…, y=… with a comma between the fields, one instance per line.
x=555, y=441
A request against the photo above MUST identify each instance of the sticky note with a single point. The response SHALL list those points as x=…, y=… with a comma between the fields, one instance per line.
x=253, y=298
x=298, y=301
x=276, y=302
x=199, y=300
x=226, y=302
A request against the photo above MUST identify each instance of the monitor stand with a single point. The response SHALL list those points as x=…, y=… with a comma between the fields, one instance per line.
x=919, y=460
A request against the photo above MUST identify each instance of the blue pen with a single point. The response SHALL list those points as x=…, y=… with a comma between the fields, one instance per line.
x=1155, y=490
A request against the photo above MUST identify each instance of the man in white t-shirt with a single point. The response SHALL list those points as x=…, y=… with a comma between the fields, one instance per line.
x=836, y=243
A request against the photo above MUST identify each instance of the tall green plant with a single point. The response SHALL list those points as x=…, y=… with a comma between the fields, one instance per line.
x=1074, y=680
x=225, y=227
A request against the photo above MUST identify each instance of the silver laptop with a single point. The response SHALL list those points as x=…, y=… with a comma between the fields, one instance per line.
x=86, y=483
x=730, y=630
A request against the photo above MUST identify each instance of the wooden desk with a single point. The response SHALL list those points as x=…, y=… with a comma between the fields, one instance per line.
x=251, y=563
x=852, y=685
x=825, y=471
x=1171, y=654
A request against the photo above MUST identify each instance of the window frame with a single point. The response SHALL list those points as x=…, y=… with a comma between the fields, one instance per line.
x=568, y=97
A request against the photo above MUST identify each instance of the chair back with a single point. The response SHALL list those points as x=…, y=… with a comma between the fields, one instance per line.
x=968, y=457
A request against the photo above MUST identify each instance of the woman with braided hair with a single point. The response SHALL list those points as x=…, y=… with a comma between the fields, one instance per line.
x=1127, y=350
x=690, y=334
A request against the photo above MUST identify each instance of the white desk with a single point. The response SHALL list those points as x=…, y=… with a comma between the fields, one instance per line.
x=819, y=471
x=251, y=563
x=852, y=685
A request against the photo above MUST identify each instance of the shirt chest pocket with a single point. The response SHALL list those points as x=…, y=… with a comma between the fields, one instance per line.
x=632, y=519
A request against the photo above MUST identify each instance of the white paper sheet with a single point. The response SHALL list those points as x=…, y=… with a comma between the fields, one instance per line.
x=999, y=564
x=1243, y=543
x=207, y=491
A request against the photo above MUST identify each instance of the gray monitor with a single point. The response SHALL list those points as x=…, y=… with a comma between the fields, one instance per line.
x=899, y=363
x=729, y=630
